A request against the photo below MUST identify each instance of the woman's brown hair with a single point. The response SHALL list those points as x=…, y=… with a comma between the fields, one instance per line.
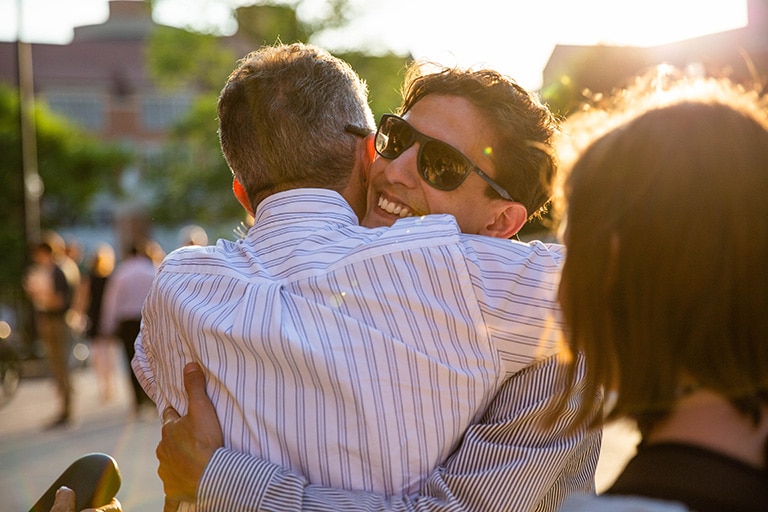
x=665, y=283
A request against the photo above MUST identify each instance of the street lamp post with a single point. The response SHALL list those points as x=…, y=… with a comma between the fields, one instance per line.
x=33, y=184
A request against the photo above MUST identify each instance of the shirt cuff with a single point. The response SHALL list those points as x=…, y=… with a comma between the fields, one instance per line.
x=233, y=481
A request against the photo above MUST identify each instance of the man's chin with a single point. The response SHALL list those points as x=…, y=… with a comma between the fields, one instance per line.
x=373, y=219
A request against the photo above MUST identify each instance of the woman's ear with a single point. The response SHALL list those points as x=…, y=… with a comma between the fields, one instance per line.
x=506, y=220
x=242, y=196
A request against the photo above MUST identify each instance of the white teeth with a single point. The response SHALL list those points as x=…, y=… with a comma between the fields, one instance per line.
x=394, y=209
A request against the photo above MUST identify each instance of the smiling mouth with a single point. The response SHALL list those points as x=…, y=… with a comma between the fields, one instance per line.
x=393, y=208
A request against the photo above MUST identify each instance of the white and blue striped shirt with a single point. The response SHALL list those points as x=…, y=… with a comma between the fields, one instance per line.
x=354, y=357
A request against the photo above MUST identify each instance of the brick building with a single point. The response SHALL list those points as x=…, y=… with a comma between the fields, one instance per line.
x=99, y=80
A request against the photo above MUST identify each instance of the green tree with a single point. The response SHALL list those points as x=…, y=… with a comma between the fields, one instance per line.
x=266, y=24
x=190, y=178
x=12, y=236
x=384, y=75
x=73, y=167
x=181, y=58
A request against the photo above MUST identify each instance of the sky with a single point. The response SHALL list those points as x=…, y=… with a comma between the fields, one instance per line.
x=515, y=37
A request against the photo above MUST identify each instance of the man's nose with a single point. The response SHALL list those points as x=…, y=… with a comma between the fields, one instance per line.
x=403, y=169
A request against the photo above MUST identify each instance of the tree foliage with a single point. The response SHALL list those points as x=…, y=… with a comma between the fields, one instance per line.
x=12, y=237
x=72, y=166
x=190, y=177
x=266, y=24
x=180, y=58
x=191, y=180
x=384, y=75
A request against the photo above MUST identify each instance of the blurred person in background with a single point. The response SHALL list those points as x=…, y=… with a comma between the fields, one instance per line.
x=192, y=235
x=63, y=258
x=124, y=297
x=89, y=302
x=73, y=250
x=47, y=288
x=665, y=290
x=154, y=251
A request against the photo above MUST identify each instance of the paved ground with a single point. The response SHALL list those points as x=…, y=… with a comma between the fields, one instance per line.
x=31, y=458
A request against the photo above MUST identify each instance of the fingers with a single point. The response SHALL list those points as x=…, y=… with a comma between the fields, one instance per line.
x=188, y=442
x=194, y=382
x=200, y=405
x=64, y=501
x=113, y=506
x=169, y=414
x=170, y=505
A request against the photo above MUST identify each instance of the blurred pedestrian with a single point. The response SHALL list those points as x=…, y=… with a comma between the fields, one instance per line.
x=154, y=251
x=73, y=250
x=63, y=258
x=192, y=234
x=89, y=306
x=124, y=297
x=48, y=290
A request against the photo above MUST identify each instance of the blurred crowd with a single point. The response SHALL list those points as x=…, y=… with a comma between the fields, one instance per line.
x=87, y=309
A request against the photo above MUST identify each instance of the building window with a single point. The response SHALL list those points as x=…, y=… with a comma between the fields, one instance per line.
x=83, y=109
x=160, y=112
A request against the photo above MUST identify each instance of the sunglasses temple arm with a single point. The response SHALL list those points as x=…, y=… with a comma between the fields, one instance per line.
x=495, y=186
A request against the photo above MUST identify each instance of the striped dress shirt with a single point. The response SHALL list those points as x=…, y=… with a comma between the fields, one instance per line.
x=354, y=357
x=505, y=463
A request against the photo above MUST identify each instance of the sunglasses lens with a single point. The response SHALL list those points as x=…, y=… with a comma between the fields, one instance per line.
x=441, y=166
x=394, y=137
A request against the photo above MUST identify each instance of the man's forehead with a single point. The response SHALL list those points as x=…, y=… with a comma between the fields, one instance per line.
x=456, y=121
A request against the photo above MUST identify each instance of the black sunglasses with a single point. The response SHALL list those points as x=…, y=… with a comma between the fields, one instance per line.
x=439, y=164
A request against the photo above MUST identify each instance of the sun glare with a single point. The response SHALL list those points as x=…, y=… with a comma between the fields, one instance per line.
x=654, y=22
x=516, y=38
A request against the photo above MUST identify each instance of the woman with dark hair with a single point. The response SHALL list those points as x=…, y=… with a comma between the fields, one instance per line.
x=665, y=291
x=89, y=304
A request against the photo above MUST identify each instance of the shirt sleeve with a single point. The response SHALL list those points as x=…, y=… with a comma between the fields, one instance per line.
x=507, y=461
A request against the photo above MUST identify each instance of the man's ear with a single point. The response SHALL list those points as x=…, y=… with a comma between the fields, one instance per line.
x=508, y=218
x=369, y=155
x=357, y=188
x=242, y=196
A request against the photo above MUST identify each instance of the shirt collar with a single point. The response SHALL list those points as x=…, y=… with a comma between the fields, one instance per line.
x=309, y=206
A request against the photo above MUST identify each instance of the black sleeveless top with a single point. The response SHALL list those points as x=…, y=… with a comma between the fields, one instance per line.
x=703, y=480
